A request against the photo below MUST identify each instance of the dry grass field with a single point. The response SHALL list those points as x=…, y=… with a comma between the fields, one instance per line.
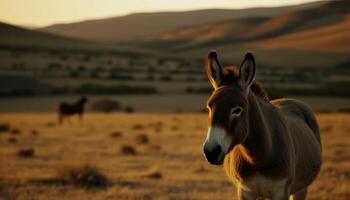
x=137, y=156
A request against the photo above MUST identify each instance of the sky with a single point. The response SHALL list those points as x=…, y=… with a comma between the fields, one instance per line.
x=38, y=13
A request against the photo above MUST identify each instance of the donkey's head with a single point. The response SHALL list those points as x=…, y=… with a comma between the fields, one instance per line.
x=228, y=106
x=83, y=99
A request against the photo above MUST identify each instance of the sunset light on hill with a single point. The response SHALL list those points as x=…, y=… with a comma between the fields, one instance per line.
x=47, y=12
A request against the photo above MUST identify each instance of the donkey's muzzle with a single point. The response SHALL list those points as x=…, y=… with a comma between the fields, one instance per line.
x=213, y=155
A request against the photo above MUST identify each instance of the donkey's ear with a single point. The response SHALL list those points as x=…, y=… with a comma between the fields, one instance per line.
x=214, y=69
x=247, y=71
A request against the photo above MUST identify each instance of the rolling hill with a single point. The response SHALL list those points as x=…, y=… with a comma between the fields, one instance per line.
x=332, y=38
x=285, y=31
x=15, y=37
x=143, y=25
x=317, y=36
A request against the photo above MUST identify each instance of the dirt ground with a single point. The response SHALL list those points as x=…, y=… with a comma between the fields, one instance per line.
x=168, y=164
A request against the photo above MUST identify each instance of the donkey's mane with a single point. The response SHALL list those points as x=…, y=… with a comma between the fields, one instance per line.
x=231, y=75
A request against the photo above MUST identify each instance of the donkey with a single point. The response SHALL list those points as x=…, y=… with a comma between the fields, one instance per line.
x=269, y=149
x=67, y=109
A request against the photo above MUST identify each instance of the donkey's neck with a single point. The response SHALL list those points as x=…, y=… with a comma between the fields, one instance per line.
x=258, y=146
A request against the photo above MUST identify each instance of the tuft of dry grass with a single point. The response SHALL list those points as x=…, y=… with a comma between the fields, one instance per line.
x=34, y=132
x=128, y=150
x=153, y=173
x=85, y=176
x=138, y=127
x=15, y=131
x=116, y=134
x=142, y=139
x=26, y=153
x=12, y=140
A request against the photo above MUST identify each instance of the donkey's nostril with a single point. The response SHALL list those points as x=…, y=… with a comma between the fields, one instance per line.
x=213, y=154
x=216, y=150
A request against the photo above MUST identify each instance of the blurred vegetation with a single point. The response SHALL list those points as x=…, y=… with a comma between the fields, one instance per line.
x=51, y=72
x=17, y=86
x=105, y=105
x=330, y=89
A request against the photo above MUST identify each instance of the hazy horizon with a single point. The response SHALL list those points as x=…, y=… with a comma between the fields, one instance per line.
x=41, y=13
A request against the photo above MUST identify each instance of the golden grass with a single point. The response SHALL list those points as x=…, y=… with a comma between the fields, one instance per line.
x=170, y=166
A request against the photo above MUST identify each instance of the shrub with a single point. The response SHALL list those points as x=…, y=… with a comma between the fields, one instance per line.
x=74, y=74
x=200, y=90
x=142, y=139
x=85, y=176
x=89, y=88
x=128, y=150
x=129, y=109
x=34, y=132
x=12, y=140
x=138, y=127
x=165, y=78
x=93, y=74
x=105, y=105
x=15, y=131
x=26, y=153
x=64, y=57
x=81, y=68
x=150, y=78
x=120, y=77
x=116, y=134
x=54, y=66
x=345, y=110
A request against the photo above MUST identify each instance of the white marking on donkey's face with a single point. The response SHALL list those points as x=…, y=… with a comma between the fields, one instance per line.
x=217, y=136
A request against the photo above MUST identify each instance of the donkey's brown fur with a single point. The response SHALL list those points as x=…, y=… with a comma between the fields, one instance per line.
x=269, y=149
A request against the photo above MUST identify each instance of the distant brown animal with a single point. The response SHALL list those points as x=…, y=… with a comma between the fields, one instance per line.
x=269, y=149
x=67, y=109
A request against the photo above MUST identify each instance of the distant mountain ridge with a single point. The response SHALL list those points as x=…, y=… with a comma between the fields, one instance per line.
x=327, y=25
x=141, y=25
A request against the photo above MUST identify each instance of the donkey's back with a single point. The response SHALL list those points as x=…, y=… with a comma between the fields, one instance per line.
x=305, y=135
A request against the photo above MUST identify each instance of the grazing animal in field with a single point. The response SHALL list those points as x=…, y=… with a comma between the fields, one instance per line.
x=67, y=109
x=269, y=149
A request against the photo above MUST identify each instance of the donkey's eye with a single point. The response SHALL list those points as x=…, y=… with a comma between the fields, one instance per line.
x=236, y=111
